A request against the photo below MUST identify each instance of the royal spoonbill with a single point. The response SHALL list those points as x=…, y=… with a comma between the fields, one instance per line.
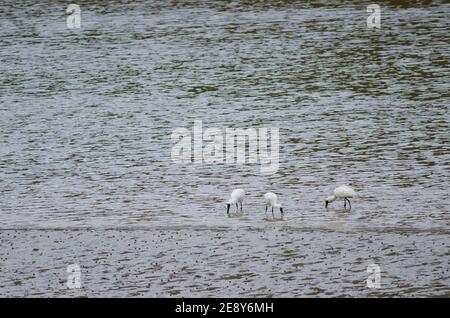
x=341, y=192
x=237, y=196
x=272, y=202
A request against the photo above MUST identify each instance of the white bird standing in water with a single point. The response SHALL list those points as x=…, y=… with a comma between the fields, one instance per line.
x=341, y=192
x=237, y=196
x=272, y=202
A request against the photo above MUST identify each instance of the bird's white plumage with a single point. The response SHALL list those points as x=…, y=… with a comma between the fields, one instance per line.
x=237, y=196
x=271, y=200
x=344, y=191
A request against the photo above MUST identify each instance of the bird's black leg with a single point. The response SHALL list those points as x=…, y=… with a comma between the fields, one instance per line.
x=266, y=209
x=241, y=207
x=349, y=204
x=272, y=213
x=237, y=208
x=345, y=203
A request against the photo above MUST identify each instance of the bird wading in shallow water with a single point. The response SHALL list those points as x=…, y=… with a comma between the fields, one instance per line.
x=342, y=192
x=237, y=196
x=271, y=200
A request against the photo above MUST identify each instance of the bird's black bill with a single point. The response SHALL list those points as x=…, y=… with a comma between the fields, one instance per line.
x=228, y=209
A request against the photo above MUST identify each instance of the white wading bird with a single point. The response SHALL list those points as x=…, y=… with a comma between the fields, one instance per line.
x=237, y=196
x=272, y=202
x=341, y=192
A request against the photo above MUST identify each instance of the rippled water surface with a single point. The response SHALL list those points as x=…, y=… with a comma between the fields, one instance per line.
x=86, y=117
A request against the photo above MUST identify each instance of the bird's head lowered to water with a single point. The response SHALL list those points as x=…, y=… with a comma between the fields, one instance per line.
x=277, y=205
x=330, y=199
x=229, y=203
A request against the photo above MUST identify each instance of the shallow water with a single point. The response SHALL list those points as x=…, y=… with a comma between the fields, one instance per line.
x=86, y=117
x=270, y=262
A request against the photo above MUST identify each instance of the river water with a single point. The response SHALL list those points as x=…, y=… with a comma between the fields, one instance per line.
x=87, y=177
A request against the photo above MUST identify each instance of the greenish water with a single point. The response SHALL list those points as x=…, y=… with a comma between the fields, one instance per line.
x=86, y=117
